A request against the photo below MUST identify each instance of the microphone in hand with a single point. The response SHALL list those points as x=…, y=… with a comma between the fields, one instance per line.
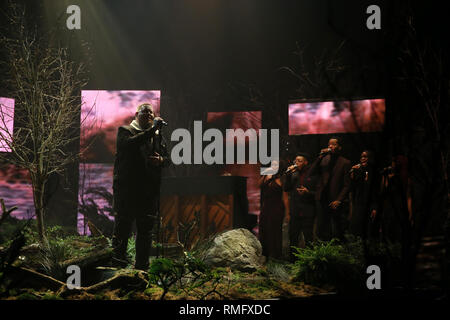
x=159, y=122
x=355, y=167
x=291, y=169
x=324, y=152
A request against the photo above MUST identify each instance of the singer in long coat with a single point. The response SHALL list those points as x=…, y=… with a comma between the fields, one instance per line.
x=273, y=208
x=333, y=187
x=365, y=189
x=136, y=186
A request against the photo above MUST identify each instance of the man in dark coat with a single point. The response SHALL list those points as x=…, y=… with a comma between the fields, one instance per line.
x=302, y=204
x=332, y=190
x=365, y=189
x=140, y=156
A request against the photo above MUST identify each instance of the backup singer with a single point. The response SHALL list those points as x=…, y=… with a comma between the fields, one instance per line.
x=365, y=185
x=274, y=204
x=302, y=205
x=332, y=190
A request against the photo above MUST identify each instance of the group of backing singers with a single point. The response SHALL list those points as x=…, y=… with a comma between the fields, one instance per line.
x=330, y=197
x=304, y=195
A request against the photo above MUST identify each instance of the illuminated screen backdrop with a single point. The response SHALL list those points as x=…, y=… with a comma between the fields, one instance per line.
x=336, y=117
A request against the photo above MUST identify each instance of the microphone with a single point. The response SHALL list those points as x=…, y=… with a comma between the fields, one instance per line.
x=160, y=122
x=292, y=169
x=358, y=166
x=324, y=152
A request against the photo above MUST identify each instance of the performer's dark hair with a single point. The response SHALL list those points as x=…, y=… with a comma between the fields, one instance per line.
x=143, y=105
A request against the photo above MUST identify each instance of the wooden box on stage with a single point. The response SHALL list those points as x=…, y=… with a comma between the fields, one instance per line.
x=215, y=203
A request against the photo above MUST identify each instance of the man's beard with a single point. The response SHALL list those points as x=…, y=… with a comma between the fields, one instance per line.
x=147, y=125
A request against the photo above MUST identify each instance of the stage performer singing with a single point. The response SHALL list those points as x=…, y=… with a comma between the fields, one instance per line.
x=332, y=190
x=141, y=154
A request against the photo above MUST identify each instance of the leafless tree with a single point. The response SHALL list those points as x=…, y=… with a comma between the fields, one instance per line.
x=45, y=84
x=424, y=73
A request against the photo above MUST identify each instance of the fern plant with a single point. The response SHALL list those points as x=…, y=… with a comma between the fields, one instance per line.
x=328, y=263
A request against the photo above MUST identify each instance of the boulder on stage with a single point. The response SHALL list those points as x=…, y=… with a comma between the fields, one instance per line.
x=238, y=249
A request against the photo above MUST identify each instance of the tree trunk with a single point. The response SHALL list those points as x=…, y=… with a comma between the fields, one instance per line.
x=39, y=207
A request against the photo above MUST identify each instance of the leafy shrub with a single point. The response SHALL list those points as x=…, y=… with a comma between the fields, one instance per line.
x=164, y=273
x=131, y=248
x=278, y=270
x=328, y=263
x=51, y=259
x=188, y=274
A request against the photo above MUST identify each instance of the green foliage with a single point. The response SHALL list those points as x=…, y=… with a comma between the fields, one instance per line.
x=188, y=274
x=51, y=296
x=342, y=265
x=51, y=258
x=27, y=296
x=131, y=248
x=328, y=263
x=164, y=273
x=278, y=270
x=9, y=228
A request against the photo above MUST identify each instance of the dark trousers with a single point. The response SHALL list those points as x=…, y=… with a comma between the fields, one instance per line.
x=297, y=226
x=122, y=231
x=332, y=223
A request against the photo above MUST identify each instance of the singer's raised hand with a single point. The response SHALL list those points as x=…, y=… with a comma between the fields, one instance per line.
x=156, y=159
x=158, y=122
x=324, y=152
x=291, y=168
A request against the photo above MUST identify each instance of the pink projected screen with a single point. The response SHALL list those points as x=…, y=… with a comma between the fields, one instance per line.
x=336, y=117
x=6, y=123
x=16, y=190
x=241, y=120
x=103, y=112
x=95, y=195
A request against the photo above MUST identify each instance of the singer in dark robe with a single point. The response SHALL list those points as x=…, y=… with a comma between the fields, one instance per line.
x=365, y=190
x=273, y=209
x=396, y=201
x=302, y=204
x=140, y=156
x=332, y=190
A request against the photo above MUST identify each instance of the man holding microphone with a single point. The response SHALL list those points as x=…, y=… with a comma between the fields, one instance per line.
x=302, y=209
x=332, y=190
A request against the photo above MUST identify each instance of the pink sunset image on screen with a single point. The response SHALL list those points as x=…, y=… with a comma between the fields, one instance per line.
x=241, y=120
x=16, y=190
x=336, y=116
x=102, y=112
x=6, y=123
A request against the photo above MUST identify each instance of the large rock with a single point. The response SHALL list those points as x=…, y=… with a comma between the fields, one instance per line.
x=238, y=249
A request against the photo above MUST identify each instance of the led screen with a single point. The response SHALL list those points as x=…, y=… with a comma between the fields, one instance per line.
x=95, y=196
x=103, y=112
x=16, y=190
x=243, y=120
x=6, y=123
x=336, y=117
